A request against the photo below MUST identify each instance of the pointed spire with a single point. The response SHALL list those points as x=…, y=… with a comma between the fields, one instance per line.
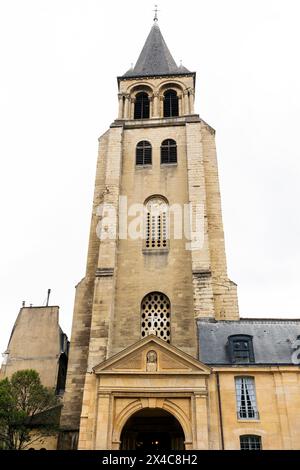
x=155, y=58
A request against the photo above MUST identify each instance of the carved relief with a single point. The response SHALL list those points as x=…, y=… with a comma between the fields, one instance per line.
x=151, y=361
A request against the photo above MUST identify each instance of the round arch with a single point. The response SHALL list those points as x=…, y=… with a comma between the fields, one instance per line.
x=133, y=90
x=139, y=404
x=152, y=429
x=171, y=85
x=155, y=196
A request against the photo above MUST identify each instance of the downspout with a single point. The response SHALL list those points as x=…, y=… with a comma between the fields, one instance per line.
x=220, y=411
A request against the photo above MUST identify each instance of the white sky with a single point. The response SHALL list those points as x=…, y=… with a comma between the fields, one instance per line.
x=58, y=93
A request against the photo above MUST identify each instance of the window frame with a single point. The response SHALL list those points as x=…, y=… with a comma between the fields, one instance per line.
x=245, y=398
x=146, y=146
x=168, y=145
x=249, y=436
x=159, y=226
x=143, y=104
x=151, y=318
x=172, y=102
x=240, y=338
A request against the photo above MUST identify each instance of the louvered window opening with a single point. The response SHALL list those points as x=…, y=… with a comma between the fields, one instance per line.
x=246, y=398
x=168, y=151
x=143, y=153
x=171, y=104
x=142, y=106
x=156, y=224
x=250, y=442
x=156, y=313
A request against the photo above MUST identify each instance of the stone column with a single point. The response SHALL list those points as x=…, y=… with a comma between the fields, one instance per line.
x=180, y=105
x=132, y=105
x=126, y=107
x=161, y=106
x=151, y=106
x=120, y=97
x=191, y=99
x=186, y=102
x=104, y=418
x=156, y=105
x=201, y=422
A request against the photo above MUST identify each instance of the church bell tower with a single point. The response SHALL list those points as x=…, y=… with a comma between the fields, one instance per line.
x=156, y=263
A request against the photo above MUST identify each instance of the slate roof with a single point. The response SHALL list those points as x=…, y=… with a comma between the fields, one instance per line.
x=155, y=58
x=273, y=339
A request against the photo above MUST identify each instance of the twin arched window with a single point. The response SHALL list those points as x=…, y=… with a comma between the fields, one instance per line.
x=142, y=106
x=156, y=316
x=168, y=152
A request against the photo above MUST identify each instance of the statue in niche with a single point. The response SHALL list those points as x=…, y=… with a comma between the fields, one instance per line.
x=151, y=363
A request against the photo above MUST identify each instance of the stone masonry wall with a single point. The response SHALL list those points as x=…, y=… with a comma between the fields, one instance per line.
x=80, y=335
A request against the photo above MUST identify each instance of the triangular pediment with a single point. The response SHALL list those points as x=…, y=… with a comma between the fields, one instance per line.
x=152, y=355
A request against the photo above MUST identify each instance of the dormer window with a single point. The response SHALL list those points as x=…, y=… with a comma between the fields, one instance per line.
x=142, y=106
x=171, y=108
x=240, y=348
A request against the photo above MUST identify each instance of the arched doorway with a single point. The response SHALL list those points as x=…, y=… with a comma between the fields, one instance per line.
x=152, y=429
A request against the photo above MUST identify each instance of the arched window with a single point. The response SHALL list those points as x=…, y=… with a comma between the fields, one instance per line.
x=142, y=106
x=157, y=223
x=170, y=103
x=250, y=442
x=143, y=153
x=156, y=316
x=168, y=151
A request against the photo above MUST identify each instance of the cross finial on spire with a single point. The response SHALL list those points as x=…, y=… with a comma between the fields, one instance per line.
x=155, y=13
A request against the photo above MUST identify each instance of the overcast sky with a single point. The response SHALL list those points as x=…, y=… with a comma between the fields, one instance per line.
x=58, y=93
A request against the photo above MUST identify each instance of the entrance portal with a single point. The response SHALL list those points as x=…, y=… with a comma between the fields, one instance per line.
x=152, y=429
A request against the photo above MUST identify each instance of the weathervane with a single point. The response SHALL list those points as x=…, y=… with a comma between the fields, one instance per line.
x=155, y=11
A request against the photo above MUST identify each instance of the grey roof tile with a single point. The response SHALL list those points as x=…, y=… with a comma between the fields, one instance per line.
x=155, y=58
x=273, y=339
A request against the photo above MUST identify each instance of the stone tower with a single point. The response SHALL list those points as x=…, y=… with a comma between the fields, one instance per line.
x=151, y=272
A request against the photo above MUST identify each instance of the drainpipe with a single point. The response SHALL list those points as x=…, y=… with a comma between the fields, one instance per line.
x=220, y=411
